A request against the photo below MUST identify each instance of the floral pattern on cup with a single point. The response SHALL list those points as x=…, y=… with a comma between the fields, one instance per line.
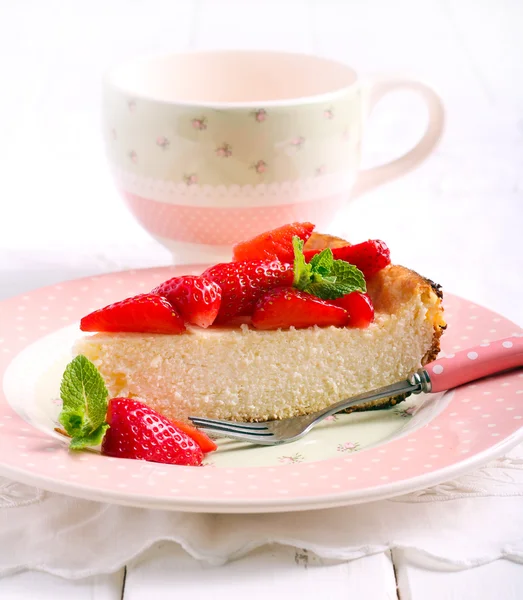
x=291, y=145
x=260, y=115
x=297, y=142
x=348, y=447
x=260, y=167
x=133, y=156
x=320, y=170
x=191, y=178
x=328, y=113
x=224, y=151
x=291, y=460
x=163, y=142
x=200, y=123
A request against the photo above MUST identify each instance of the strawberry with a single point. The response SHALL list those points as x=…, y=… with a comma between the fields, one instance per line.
x=274, y=244
x=360, y=309
x=201, y=438
x=136, y=431
x=288, y=307
x=145, y=313
x=243, y=282
x=196, y=298
x=370, y=256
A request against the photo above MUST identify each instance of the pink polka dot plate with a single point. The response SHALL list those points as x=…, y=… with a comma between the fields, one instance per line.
x=349, y=459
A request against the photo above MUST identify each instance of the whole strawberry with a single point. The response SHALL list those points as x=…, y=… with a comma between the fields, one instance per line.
x=136, y=431
x=196, y=298
x=244, y=282
x=145, y=313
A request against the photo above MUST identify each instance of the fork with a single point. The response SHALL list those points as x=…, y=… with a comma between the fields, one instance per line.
x=438, y=376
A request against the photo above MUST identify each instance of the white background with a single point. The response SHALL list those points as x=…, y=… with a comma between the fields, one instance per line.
x=457, y=219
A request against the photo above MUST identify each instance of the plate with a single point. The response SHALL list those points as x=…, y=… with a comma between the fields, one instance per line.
x=351, y=459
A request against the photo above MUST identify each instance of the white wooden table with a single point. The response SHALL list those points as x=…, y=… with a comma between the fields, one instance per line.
x=458, y=218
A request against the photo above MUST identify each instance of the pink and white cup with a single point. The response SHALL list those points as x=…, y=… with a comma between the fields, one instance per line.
x=211, y=148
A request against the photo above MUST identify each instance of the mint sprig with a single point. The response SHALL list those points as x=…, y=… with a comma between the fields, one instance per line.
x=84, y=403
x=324, y=276
x=302, y=270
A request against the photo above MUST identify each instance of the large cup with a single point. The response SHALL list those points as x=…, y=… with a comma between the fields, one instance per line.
x=211, y=148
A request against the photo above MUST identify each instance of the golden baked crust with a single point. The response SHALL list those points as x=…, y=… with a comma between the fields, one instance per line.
x=319, y=241
x=395, y=285
x=389, y=289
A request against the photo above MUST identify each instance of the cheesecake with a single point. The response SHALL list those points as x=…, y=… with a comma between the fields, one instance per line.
x=234, y=370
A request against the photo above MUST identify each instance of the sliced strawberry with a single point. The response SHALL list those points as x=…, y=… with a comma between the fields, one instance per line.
x=243, y=282
x=145, y=313
x=288, y=307
x=197, y=299
x=136, y=431
x=370, y=257
x=274, y=244
x=201, y=438
x=360, y=309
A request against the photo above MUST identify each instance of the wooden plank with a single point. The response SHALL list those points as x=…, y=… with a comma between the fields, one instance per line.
x=273, y=571
x=501, y=579
x=29, y=585
x=371, y=578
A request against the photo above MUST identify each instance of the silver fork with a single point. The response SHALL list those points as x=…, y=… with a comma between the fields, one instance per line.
x=273, y=433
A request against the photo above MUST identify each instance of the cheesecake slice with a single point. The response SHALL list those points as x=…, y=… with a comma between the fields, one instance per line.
x=235, y=371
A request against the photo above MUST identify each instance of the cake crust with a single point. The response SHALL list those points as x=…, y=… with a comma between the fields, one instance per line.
x=394, y=285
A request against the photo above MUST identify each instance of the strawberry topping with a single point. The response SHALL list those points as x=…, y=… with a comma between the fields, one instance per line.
x=196, y=298
x=370, y=256
x=360, y=309
x=244, y=282
x=145, y=313
x=288, y=307
x=274, y=244
x=274, y=259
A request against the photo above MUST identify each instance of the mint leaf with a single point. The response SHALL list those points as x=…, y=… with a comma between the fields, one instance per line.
x=84, y=403
x=346, y=273
x=324, y=290
x=71, y=421
x=329, y=291
x=91, y=439
x=325, y=277
x=322, y=263
x=302, y=270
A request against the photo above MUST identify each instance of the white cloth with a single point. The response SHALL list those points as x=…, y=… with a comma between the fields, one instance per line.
x=463, y=523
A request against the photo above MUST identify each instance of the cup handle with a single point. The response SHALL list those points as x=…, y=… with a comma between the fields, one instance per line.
x=371, y=178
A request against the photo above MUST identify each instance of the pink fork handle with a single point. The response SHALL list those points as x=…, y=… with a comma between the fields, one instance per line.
x=475, y=363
